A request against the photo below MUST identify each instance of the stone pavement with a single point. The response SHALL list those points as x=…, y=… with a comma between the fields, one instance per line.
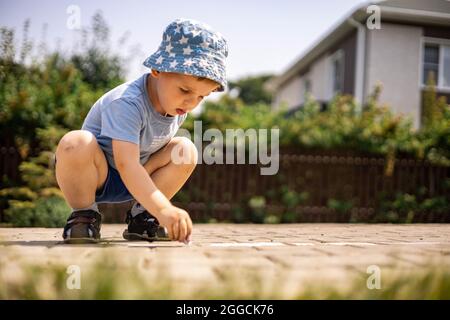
x=291, y=252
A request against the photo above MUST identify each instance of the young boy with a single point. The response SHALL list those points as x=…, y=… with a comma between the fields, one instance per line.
x=124, y=148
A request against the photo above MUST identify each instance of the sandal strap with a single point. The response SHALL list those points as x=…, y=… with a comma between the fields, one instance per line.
x=82, y=220
x=151, y=223
x=90, y=217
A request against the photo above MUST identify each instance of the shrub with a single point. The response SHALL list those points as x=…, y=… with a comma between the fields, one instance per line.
x=341, y=206
x=257, y=205
x=49, y=212
x=404, y=207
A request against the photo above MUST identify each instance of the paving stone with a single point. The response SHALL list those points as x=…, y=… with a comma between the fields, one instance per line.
x=297, y=253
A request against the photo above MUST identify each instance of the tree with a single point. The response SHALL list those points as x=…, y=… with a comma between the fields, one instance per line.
x=42, y=97
x=251, y=89
x=97, y=66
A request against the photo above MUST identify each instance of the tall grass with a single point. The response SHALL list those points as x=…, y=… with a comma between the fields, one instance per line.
x=109, y=278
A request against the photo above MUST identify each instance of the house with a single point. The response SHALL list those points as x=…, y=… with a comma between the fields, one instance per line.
x=412, y=41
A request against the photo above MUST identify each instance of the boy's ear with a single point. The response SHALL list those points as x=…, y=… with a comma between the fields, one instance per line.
x=155, y=73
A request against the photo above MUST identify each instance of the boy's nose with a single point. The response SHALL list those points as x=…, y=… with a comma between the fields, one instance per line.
x=190, y=104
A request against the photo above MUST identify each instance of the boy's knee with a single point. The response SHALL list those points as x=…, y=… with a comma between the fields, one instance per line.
x=184, y=152
x=77, y=143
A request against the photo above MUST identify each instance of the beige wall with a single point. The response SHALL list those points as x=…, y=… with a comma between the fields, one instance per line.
x=291, y=93
x=393, y=58
x=320, y=78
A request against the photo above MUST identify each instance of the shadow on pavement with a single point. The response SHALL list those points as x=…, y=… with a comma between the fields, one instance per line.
x=103, y=243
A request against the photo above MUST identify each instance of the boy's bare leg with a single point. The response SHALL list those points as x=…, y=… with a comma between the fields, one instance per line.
x=81, y=167
x=168, y=176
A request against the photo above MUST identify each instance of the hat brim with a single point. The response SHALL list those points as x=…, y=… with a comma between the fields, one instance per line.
x=205, y=67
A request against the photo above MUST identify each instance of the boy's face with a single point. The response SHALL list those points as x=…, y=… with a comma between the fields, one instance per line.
x=175, y=93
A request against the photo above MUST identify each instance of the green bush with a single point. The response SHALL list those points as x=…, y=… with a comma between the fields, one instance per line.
x=403, y=207
x=436, y=204
x=257, y=205
x=18, y=193
x=291, y=199
x=372, y=128
x=49, y=212
x=43, y=95
x=256, y=208
x=341, y=206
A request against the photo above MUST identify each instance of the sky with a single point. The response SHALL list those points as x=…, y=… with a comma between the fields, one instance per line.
x=264, y=36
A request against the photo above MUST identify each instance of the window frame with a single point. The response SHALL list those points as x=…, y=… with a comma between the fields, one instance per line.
x=441, y=42
x=307, y=88
x=337, y=55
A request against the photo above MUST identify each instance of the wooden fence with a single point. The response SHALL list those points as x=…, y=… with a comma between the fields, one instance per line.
x=215, y=190
x=219, y=191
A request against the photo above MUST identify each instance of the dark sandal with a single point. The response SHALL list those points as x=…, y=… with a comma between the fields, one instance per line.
x=144, y=226
x=83, y=227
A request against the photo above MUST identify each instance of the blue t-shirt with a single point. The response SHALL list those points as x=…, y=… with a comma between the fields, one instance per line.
x=126, y=113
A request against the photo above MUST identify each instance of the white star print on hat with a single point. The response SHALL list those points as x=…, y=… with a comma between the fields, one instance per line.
x=193, y=48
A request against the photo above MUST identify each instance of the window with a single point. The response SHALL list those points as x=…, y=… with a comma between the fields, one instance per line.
x=430, y=63
x=446, y=66
x=436, y=63
x=307, y=86
x=337, y=72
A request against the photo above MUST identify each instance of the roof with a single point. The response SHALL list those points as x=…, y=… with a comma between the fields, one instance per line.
x=431, y=12
x=441, y=6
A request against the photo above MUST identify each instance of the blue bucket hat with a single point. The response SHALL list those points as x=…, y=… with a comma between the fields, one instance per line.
x=193, y=48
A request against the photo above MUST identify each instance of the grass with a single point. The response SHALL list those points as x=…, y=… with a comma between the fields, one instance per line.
x=108, y=278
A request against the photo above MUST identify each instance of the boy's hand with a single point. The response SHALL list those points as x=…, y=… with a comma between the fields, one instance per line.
x=177, y=222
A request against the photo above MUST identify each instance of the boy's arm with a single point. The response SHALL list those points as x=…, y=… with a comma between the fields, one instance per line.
x=141, y=186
